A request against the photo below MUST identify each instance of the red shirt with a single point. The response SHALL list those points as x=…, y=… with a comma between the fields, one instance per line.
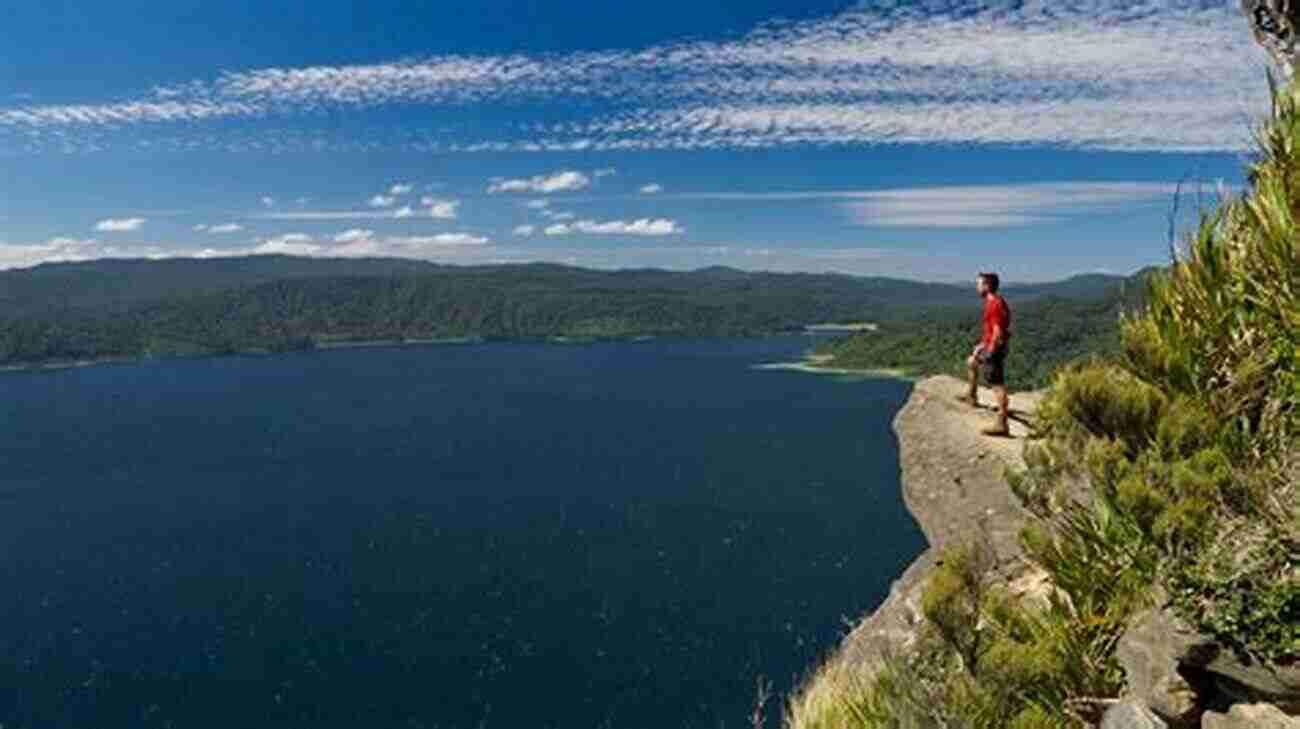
x=996, y=313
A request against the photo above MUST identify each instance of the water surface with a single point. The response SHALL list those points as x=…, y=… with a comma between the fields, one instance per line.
x=615, y=535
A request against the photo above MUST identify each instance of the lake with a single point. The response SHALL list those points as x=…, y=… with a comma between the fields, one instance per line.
x=616, y=535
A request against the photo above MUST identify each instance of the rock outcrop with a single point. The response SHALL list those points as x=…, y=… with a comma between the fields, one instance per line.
x=1131, y=715
x=1180, y=674
x=1250, y=716
x=953, y=482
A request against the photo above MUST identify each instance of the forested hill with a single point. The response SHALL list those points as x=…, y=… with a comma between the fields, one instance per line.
x=1047, y=331
x=114, y=285
x=130, y=308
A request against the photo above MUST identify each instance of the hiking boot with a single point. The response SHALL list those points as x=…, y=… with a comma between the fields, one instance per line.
x=999, y=430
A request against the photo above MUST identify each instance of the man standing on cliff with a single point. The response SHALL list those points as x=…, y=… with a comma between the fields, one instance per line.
x=991, y=352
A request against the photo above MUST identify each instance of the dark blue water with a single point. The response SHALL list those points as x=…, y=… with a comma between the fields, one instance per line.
x=495, y=535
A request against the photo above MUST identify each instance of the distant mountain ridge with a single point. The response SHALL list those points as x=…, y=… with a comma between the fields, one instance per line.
x=132, y=308
x=115, y=285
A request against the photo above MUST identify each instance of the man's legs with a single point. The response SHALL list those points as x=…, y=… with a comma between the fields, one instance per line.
x=1004, y=406
x=972, y=396
x=997, y=380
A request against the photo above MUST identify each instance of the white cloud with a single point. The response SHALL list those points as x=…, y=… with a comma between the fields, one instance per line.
x=382, y=201
x=1126, y=74
x=557, y=215
x=331, y=215
x=55, y=249
x=442, y=209
x=14, y=255
x=400, y=188
x=642, y=226
x=131, y=112
x=120, y=225
x=442, y=239
x=470, y=248
x=998, y=206
x=404, y=212
x=525, y=229
x=354, y=235
x=293, y=244
x=539, y=204
x=268, y=201
x=653, y=188
x=220, y=229
x=351, y=243
x=564, y=181
x=391, y=243
x=603, y=172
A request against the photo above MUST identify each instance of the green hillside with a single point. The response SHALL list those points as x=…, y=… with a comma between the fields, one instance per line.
x=1049, y=331
x=270, y=303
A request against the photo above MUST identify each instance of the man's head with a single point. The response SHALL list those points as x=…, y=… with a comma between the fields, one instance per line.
x=987, y=283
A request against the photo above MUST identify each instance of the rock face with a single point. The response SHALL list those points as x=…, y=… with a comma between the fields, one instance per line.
x=1250, y=716
x=1150, y=652
x=1179, y=673
x=1130, y=715
x=953, y=483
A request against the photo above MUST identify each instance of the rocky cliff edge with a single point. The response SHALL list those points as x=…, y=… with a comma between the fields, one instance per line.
x=953, y=482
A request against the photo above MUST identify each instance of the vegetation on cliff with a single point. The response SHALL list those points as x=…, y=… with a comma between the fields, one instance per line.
x=1166, y=472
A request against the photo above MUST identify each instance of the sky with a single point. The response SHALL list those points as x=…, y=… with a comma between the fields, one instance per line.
x=927, y=139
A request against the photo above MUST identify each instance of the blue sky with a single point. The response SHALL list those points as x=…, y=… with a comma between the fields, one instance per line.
x=919, y=139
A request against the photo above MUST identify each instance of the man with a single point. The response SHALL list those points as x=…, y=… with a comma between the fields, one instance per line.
x=991, y=352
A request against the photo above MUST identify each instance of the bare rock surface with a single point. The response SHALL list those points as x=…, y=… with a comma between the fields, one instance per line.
x=1130, y=715
x=1250, y=716
x=1151, y=652
x=1178, y=672
x=954, y=485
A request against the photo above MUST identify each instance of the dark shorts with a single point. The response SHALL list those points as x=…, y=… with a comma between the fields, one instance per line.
x=994, y=366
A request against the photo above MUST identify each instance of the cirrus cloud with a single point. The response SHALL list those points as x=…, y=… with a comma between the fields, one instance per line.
x=1116, y=74
x=219, y=229
x=997, y=206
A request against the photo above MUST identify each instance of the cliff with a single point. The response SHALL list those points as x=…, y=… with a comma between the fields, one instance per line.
x=953, y=482
x=954, y=486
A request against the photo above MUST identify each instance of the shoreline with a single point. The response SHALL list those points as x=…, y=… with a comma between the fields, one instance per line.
x=65, y=364
x=818, y=364
x=350, y=344
x=560, y=340
x=20, y=367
